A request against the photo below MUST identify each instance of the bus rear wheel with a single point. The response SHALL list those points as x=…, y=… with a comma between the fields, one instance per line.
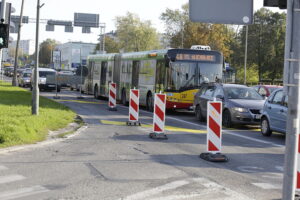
x=96, y=92
x=123, y=98
x=149, y=103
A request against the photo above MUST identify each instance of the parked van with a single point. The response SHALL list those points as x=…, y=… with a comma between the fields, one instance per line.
x=47, y=80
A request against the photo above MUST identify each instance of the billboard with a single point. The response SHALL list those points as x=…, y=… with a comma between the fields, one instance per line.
x=56, y=59
x=86, y=20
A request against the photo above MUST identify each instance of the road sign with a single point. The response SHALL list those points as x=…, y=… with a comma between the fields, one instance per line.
x=86, y=20
x=222, y=11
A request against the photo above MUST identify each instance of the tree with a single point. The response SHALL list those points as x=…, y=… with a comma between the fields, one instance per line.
x=111, y=46
x=135, y=35
x=181, y=32
x=46, y=48
x=265, y=45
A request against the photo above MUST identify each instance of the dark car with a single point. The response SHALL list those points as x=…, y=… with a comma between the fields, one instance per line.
x=241, y=104
x=266, y=90
x=274, y=113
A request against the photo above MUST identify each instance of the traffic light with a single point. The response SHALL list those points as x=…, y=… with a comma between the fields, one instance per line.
x=4, y=35
x=276, y=3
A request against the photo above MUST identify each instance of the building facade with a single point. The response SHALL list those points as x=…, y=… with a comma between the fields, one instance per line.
x=74, y=53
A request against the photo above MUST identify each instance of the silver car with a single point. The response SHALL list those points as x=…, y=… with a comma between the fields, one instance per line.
x=241, y=104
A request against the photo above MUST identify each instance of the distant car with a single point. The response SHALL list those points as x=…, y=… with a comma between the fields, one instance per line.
x=241, y=104
x=8, y=71
x=25, y=79
x=274, y=113
x=266, y=90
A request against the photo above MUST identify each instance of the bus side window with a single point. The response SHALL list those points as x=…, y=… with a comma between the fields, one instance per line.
x=160, y=76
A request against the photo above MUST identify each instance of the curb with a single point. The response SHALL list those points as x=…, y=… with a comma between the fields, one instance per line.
x=50, y=140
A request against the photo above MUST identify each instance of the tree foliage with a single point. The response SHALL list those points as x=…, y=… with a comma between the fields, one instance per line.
x=111, y=45
x=46, y=47
x=266, y=38
x=133, y=34
x=181, y=32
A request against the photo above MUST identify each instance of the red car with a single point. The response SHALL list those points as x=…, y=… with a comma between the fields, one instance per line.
x=266, y=90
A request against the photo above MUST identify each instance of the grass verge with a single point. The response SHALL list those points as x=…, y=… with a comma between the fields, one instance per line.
x=18, y=126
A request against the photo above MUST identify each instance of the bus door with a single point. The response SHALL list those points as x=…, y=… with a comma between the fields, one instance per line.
x=135, y=74
x=89, y=88
x=103, y=78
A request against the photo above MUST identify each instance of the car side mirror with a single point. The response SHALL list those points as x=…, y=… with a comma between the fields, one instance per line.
x=220, y=97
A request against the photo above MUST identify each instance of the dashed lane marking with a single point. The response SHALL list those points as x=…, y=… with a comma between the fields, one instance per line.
x=22, y=192
x=3, y=167
x=267, y=186
x=78, y=101
x=10, y=178
x=168, y=128
x=157, y=190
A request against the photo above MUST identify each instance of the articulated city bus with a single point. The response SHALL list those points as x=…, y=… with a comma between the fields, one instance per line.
x=176, y=72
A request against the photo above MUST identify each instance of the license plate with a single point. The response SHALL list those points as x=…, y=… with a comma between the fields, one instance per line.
x=257, y=116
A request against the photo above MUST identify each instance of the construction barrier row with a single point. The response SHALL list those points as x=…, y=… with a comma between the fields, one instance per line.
x=214, y=121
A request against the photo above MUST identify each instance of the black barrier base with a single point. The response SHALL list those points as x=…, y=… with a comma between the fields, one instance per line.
x=297, y=196
x=129, y=123
x=80, y=97
x=56, y=97
x=113, y=109
x=218, y=157
x=158, y=136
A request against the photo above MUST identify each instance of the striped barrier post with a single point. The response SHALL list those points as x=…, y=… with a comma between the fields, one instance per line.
x=134, y=108
x=159, y=117
x=298, y=167
x=214, y=133
x=112, y=103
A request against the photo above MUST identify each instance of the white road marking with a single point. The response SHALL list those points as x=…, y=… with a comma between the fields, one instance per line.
x=267, y=186
x=179, y=197
x=11, y=178
x=273, y=176
x=13, y=194
x=250, y=169
x=3, y=167
x=232, y=195
x=143, y=195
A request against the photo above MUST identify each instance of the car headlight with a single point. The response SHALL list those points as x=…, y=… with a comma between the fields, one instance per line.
x=238, y=109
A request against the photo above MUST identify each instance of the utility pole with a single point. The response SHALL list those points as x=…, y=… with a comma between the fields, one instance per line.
x=292, y=89
x=14, y=81
x=35, y=89
x=246, y=52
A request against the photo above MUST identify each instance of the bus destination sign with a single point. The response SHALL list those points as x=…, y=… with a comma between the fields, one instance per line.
x=196, y=57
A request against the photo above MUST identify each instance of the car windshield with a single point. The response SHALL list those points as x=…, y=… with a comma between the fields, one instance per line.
x=26, y=75
x=45, y=74
x=242, y=93
x=271, y=89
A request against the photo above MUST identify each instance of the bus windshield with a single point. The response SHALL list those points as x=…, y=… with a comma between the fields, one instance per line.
x=189, y=75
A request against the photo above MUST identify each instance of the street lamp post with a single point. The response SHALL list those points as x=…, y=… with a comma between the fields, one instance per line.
x=14, y=81
x=246, y=52
x=35, y=89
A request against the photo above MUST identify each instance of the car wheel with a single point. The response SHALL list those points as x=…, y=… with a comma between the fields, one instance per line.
x=226, y=119
x=198, y=114
x=96, y=92
x=149, y=102
x=265, y=127
x=123, y=99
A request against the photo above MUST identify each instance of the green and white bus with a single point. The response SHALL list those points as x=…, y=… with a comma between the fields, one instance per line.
x=176, y=72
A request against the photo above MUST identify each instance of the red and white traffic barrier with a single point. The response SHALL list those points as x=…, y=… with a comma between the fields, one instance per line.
x=134, y=107
x=298, y=166
x=214, y=127
x=112, y=103
x=214, y=133
x=159, y=117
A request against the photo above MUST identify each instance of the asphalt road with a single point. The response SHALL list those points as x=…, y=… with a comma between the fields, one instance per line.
x=109, y=160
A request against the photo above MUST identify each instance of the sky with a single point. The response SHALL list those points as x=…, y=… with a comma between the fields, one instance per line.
x=107, y=9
